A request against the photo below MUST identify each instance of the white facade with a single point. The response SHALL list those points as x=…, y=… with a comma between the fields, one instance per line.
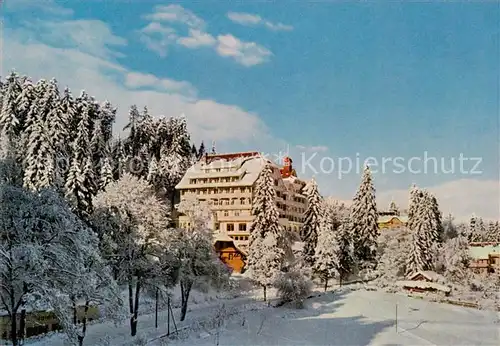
x=226, y=183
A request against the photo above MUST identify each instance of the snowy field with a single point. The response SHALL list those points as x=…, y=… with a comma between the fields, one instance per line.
x=359, y=318
x=335, y=318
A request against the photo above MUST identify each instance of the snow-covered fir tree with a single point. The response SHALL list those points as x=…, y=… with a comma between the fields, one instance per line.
x=493, y=232
x=9, y=115
x=106, y=173
x=312, y=221
x=393, y=208
x=213, y=151
x=365, y=229
x=266, y=253
x=325, y=261
x=437, y=227
x=413, y=205
x=420, y=256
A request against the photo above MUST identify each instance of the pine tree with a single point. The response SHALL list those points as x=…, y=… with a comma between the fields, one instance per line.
x=201, y=150
x=213, y=151
x=107, y=115
x=9, y=114
x=393, y=208
x=333, y=255
x=266, y=253
x=493, y=232
x=311, y=226
x=438, y=229
x=420, y=254
x=365, y=229
x=106, y=173
x=415, y=197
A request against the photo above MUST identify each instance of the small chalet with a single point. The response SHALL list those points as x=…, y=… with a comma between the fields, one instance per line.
x=391, y=221
x=229, y=253
x=424, y=281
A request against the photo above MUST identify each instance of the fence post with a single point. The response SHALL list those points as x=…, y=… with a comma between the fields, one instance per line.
x=168, y=315
x=156, y=309
x=396, y=317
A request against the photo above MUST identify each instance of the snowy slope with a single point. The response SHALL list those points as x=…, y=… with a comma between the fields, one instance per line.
x=342, y=317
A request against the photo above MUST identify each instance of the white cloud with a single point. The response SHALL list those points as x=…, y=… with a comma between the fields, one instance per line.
x=461, y=198
x=87, y=67
x=90, y=36
x=312, y=148
x=158, y=37
x=196, y=39
x=175, y=14
x=248, y=19
x=246, y=53
x=136, y=80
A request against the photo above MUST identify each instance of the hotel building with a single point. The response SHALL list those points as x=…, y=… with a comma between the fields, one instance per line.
x=227, y=182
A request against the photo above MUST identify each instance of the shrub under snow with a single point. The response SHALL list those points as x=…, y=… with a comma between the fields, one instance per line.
x=293, y=287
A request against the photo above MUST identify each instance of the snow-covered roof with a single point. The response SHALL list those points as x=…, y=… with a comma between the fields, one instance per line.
x=428, y=274
x=423, y=285
x=246, y=167
x=387, y=218
x=224, y=237
x=483, y=252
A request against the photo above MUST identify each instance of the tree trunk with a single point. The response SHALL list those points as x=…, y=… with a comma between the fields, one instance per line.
x=326, y=283
x=185, y=290
x=75, y=311
x=135, y=307
x=84, y=324
x=265, y=289
x=13, y=328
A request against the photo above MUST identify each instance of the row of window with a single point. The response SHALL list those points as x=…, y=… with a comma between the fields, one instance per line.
x=213, y=191
x=240, y=237
x=241, y=227
x=227, y=213
x=213, y=180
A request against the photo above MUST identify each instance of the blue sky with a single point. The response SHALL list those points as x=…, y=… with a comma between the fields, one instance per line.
x=381, y=80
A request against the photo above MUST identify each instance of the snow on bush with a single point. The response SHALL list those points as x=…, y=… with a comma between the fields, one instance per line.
x=293, y=286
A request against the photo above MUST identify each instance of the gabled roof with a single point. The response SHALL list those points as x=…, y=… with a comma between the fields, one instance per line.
x=423, y=285
x=429, y=275
x=387, y=218
x=224, y=237
x=248, y=167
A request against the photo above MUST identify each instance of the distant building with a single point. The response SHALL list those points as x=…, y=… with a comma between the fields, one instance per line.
x=485, y=258
x=227, y=181
x=390, y=222
x=229, y=253
x=424, y=281
x=42, y=322
x=391, y=218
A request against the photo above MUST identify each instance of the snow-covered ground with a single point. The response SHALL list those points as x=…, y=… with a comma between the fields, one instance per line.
x=358, y=318
x=342, y=317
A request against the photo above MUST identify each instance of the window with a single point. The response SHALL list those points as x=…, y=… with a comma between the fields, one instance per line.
x=236, y=213
x=232, y=201
x=242, y=227
x=230, y=227
x=226, y=213
x=242, y=201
